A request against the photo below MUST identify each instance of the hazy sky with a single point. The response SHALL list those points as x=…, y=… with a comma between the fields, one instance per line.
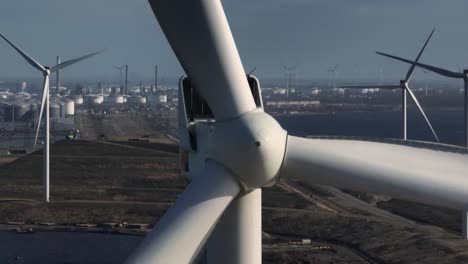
x=310, y=34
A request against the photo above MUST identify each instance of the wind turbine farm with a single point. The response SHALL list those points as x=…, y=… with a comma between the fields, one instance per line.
x=205, y=151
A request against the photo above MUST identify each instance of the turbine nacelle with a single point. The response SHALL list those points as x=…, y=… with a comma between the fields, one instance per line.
x=251, y=145
x=46, y=71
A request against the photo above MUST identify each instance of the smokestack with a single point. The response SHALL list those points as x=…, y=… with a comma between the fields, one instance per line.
x=57, y=84
x=126, y=79
x=156, y=78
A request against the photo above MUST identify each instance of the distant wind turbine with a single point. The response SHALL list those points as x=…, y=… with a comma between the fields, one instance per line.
x=289, y=72
x=333, y=71
x=404, y=86
x=425, y=81
x=252, y=71
x=46, y=71
x=120, y=68
x=447, y=73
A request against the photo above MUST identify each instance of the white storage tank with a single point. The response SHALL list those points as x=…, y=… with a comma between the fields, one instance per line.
x=138, y=99
x=69, y=108
x=162, y=99
x=24, y=96
x=19, y=109
x=78, y=100
x=99, y=99
x=94, y=99
x=119, y=99
x=115, y=99
x=5, y=95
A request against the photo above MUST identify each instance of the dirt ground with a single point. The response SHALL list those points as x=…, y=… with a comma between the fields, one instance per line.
x=116, y=180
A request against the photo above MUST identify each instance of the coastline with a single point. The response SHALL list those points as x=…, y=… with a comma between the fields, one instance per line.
x=81, y=228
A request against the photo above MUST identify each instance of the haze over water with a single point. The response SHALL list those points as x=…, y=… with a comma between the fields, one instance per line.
x=447, y=124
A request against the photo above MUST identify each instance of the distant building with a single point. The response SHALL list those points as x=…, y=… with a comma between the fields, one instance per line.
x=293, y=103
x=21, y=87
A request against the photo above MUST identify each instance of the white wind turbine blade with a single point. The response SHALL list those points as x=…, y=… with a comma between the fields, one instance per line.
x=413, y=173
x=201, y=38
x=28, y=58
x=443, y=72
x=422, y=111
x=413, y=65
x=45, y=92
x=73, y=61
x=183, y=230
x=252, y=71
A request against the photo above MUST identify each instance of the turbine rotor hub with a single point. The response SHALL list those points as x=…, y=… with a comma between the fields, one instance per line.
x=252, y=146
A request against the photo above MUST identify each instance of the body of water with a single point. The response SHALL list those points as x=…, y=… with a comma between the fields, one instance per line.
x=65, y=248
x=447, y=124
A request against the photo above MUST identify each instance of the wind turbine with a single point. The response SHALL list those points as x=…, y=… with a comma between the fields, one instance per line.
x=289, y=74
x=252, y=71
x=244, y=149
x=120, y=75
x=46, y=71
x=57, y=78
x=333, y=71
x=447, y=73
x=404, y=86
x=425, y=81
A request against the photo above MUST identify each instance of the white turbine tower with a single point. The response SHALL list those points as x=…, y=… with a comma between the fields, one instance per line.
x=120, y=76
x=447, y=73
x=244, y=149
x=404, y=86
x=426, y=84
x=334, y=70
x=46, y=71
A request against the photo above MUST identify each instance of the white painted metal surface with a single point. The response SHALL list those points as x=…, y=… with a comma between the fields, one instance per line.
x=45, y=91
x=69, y=108
x=252, y=146
x=238, y=234
x=199, y=33
x=415, y=100
x=404, y=114
x=46, y=155
x=183, y=230
x=417, y=174
x=465, y=114
x=79, y=100
x=94, y=99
